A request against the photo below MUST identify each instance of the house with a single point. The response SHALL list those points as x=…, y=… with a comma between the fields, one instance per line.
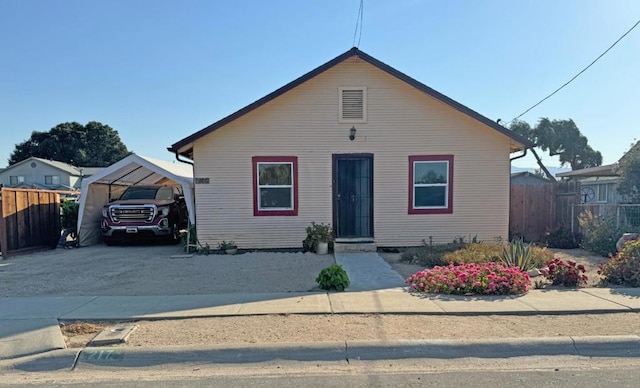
x=46, y=174
x=528, y=178
x=357, y=144
x=598, y=184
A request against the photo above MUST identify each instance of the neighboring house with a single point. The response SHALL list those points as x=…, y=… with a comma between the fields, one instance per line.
x=598, y=184
x=528, y=178
x=360, y=145
x=46, y=174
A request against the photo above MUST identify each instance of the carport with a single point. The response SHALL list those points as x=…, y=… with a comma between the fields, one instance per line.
x=111, y=181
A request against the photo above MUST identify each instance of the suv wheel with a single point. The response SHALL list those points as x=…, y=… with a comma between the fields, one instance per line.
x=174, y=237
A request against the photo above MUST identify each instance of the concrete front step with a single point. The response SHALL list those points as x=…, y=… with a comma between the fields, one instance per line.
x=355, y=246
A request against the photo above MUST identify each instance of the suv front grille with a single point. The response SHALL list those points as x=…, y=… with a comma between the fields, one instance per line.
x=144, y=213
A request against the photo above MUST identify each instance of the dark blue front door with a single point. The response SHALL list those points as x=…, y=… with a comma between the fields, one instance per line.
x=353, y=195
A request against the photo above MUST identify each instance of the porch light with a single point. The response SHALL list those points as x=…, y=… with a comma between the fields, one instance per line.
x=352, y=133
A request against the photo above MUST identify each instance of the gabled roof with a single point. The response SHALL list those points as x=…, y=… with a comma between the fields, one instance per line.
x=72, y=170
x=176, y=147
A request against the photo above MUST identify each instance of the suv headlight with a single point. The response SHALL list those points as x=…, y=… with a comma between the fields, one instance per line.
x=105, y=213
x=164, y=211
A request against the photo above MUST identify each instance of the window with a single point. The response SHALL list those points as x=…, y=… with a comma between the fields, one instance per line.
x=602, y=193
x=16, y=180
x=51, y=179
x=431, y=184
x=275, y=186
x=353, y=104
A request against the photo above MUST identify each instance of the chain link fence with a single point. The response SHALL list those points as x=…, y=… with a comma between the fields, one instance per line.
x=626, y=216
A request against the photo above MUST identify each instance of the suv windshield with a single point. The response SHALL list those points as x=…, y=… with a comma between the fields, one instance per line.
x=134, y=192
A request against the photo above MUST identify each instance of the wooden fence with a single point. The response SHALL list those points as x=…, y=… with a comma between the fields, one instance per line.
x=30, y=219
x=536, y=209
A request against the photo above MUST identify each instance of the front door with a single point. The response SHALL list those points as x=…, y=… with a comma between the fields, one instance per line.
x=353, y=195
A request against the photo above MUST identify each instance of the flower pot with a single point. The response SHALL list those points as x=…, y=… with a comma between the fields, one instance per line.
x=322, y=248
x=231, y=251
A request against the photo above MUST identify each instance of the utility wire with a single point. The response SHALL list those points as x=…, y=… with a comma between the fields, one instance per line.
x=358, y=23
x=577, y=75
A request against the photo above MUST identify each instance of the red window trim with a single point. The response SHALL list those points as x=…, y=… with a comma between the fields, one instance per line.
x=274, y=159
x=431, y=158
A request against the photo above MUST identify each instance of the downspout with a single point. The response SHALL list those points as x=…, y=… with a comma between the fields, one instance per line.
x=182, y=160
x=188, y=246
x=524, y=153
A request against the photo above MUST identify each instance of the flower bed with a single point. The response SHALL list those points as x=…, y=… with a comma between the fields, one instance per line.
x=467, y=279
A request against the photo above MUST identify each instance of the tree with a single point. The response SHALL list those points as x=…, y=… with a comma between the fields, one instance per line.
x=91, y=145
x=561, y=138
x=629, y=170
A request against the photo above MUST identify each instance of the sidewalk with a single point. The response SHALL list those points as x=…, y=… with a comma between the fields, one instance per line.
x=30, y=325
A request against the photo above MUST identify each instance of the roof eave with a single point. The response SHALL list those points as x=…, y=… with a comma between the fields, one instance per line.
x=186, y=143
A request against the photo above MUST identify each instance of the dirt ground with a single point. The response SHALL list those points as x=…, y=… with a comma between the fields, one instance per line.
x=291, y=328
x=315, y=328
x=150, y=270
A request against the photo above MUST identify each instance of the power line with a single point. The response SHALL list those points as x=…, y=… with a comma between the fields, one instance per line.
x=358, y=23
x=577, y=75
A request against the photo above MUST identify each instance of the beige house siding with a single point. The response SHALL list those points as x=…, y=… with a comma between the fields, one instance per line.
x=401, y=121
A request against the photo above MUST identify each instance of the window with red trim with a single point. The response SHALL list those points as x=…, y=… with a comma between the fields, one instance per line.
x=431, y=184
x=275, y=185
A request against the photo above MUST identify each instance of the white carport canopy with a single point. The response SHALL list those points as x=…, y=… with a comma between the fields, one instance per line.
x=110, y=182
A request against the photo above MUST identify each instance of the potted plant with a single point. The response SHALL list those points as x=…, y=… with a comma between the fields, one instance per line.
x=229, y=247
x=318, y=238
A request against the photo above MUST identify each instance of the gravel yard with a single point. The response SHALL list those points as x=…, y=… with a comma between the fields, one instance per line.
x=150, y=270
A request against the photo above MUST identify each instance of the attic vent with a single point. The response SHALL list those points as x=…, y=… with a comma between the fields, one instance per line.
x=353, y=104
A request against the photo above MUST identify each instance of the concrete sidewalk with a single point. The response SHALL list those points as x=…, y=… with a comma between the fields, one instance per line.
x=624, y=349
x=30, y=325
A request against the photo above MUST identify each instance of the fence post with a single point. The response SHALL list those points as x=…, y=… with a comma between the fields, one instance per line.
x=572, y=218
x=618, y=217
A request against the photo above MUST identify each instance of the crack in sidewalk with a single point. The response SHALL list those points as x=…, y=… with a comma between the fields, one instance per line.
x=75, y=360
x=346, y=352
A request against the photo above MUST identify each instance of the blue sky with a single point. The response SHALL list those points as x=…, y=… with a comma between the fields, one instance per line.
x=157, y=71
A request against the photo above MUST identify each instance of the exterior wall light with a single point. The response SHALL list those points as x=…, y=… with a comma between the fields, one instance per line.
x=352, y=133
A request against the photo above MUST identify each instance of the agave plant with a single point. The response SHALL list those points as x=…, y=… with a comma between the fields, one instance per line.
x=517, y=253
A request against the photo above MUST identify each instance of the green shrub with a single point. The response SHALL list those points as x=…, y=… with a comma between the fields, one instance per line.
x=430, y=254
x=69, y=214
x=333, y=277
x=561, y=237
x=599, y=235
x=624, y=268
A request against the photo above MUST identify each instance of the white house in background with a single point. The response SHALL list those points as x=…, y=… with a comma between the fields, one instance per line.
x=598, y=184
x=46, y=174
x=357, y=144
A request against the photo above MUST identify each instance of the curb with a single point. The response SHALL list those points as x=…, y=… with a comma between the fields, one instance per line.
x=111, y=358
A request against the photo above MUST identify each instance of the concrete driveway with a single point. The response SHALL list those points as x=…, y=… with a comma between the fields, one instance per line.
x=151, y=270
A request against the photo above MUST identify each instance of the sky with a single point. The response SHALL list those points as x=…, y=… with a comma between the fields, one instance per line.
x=157, y=71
